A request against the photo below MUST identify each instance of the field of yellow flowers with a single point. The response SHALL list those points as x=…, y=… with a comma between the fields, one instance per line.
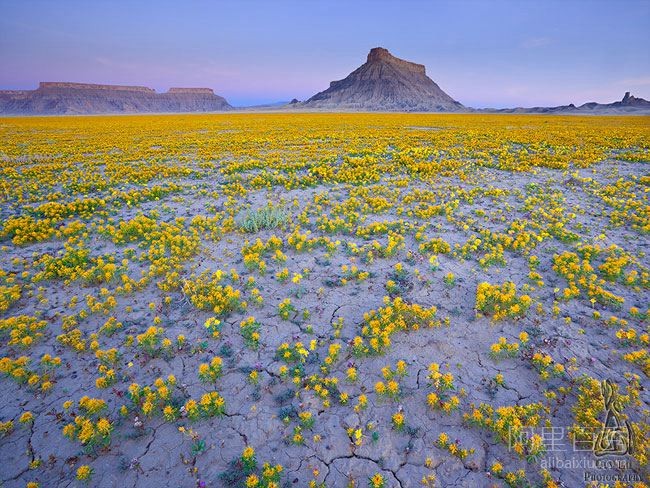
x=322, y=300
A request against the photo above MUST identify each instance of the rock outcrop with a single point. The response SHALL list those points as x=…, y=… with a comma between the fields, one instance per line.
x=385, y=83
x=59, y=98
x=628, y=105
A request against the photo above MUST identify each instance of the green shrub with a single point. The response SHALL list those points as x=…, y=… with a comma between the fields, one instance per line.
x=263, y=218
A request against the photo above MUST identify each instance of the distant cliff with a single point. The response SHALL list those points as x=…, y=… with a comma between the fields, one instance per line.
x=60, y=98
x=629, y=104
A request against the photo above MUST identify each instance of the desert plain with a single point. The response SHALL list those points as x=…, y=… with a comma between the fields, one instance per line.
x=322, y=300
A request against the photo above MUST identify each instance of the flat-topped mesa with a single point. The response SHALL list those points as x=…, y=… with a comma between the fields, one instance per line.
x=89, y=98
x=15, y=92
x=65, y=85
x=200, y=91
x=383, y=55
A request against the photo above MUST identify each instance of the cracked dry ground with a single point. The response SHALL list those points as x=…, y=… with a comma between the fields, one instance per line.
x=422, y=285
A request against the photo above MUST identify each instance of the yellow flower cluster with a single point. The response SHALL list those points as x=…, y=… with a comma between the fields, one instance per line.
x=580, y=275
x=248, y=459
x=8, y=293
x=301, y=242
x=630, y=336
x=84, y=208
x=210, y=372
x=211, y=404
x=453, y=447
x=250, y=331
x=292, y=353
x=17, y=370
x=151, y=400
x=504, y=349
x=206, y=292
x=377, y=480
x=23, y=330
x=26, y=418
x=213, y=325
x=74, y=339
x=398, y=420
x=168, y=242
x=271, y=475
x=107, y=377
x=443, y=385
x=400, y=370
x=333, y=351
x=24, y=229
x=370, y=252
x=6, y=428
x=90, y=429
x=325, y=387
x=77, y=264
x=95, y=305
x=282, y=275
x=390, y=389
x=110, y=327
x=352, y=273
x=513, y=479
x=286, y=309
x=509, y=422
x=435, y=245
x=381, y=324
x=501, y=301
x=84, y=473
x=152, y=341
x=640, y=358
x=545, y=366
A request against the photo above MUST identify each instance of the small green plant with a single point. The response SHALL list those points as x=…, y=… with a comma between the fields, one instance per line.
x=198, y=447
x=250, y=330
x=285, y=309
x=449, y=279
x=268, y=217
x=248, y=460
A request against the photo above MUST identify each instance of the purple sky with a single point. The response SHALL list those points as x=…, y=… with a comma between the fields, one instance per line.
x=484, y=54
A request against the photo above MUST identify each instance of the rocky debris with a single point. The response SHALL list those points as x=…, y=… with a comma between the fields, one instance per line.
x=60, y=98
x=385, y=83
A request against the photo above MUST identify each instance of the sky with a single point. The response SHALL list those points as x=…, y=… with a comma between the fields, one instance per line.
x=482, y=53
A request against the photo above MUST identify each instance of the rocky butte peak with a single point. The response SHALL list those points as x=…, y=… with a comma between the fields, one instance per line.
x=634, y=102
x=382, y=55
x=378, y=53
x=385, y=83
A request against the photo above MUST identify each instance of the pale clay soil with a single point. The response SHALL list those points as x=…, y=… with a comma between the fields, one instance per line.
x=158, y=455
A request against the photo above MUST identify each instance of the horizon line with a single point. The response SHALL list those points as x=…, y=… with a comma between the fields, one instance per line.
x=88, y=85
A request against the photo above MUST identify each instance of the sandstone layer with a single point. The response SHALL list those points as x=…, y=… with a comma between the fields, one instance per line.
x=61, y=98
